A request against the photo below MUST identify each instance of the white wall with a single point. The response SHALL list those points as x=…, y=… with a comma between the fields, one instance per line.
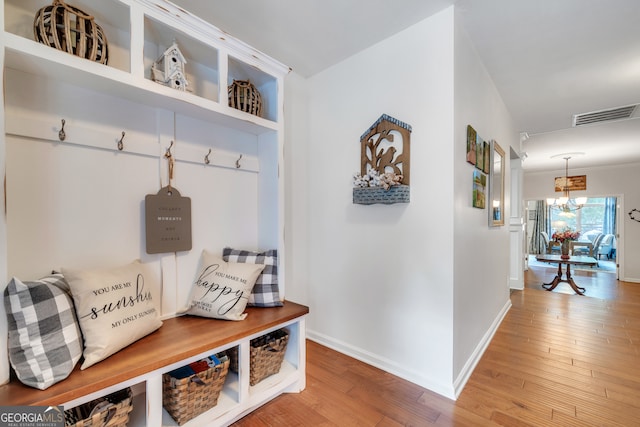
x=621, y=180
x=481, y=260
x=296, y=188
x=416, y=289
x=381, y=276
x=4, y=358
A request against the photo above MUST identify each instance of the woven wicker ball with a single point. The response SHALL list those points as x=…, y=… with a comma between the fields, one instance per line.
x=71, y=30
x=244, y=96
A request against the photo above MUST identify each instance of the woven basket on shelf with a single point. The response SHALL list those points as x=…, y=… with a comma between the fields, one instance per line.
x=189, y=397
x=112, y=411
x=266, y=355
x=244, y=96
x=71, y=30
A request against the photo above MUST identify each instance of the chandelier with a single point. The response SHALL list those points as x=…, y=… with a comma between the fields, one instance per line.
x=565, y=204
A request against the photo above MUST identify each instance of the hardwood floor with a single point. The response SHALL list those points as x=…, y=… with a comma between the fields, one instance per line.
x=557, y=359
x=598, y=283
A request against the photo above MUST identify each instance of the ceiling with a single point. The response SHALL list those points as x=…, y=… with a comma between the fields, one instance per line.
x=549, y=59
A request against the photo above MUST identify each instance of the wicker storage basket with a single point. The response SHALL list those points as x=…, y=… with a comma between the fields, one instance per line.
x=189, y=397
x=108, y=411
x=233, y=359
x=266, y=355
x=71, y=30
x=244, y=96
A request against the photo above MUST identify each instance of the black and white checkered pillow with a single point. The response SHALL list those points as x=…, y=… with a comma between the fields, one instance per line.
x=265, y=292
x=45, y=342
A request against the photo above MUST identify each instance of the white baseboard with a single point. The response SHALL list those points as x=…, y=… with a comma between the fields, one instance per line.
x=450, y=391
x=386, y=365
x=468, y=368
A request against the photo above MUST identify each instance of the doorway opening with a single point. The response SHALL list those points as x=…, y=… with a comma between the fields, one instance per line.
x=596, y=222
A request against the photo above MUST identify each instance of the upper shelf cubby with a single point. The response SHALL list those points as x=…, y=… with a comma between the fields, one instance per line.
x=138, y=32
x=112, y=16
x=201, y=60
x=265, y=84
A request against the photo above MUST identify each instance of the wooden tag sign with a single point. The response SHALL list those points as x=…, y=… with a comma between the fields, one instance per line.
x=168, y=221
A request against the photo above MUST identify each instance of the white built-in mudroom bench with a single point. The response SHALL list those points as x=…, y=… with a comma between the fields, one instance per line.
x=85, y=143
x=179, y=341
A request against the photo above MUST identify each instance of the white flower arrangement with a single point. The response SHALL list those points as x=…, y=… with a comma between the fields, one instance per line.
x=374, y=179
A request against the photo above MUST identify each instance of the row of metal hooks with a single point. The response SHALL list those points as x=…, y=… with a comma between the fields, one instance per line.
x=207, y=161
x=120, y=144
x=62, y=136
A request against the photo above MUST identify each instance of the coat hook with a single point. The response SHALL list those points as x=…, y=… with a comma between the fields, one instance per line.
x=238, y=162
x=206, y=158
x=120, y=143
x=61, y=134
x=167, y=154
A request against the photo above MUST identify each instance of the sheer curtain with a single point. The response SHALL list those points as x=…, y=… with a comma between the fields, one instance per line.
x=537, y=244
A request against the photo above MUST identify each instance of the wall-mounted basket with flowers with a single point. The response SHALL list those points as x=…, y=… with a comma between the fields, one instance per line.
x=375, y=188
x=384, y=165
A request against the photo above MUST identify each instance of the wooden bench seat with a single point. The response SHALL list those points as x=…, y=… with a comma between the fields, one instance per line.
x=178, y=339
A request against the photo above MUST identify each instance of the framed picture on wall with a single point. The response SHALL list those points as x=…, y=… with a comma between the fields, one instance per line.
x=479, y=153
x=471, y=145
x=571, y=183
x=479, y=189
x=486, y=162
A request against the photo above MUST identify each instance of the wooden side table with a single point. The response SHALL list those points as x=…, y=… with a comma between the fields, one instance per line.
x=575, y=260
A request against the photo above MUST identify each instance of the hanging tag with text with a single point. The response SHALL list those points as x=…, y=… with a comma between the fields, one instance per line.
x=168, y=221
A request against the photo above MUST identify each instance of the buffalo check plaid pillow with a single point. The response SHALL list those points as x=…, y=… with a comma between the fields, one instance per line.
x=265, y=292
x=45, y=342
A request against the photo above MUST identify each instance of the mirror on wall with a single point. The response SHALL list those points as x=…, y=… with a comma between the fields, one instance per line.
x=496, y=186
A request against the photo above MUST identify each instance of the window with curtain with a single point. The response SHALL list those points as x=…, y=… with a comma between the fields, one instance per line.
x=598, y=214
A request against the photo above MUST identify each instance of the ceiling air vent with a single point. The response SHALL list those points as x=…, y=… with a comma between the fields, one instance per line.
x=619, y=113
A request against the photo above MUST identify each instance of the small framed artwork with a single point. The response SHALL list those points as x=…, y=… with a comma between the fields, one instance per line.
x=480, y=153
x=471, y=145
x=571, y=183
x=487, y=158
x=479, y=189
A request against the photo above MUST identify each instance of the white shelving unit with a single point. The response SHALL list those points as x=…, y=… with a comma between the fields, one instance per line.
x=240, y=206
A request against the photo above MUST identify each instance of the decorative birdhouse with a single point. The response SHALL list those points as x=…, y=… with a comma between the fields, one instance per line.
x=169, y=69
